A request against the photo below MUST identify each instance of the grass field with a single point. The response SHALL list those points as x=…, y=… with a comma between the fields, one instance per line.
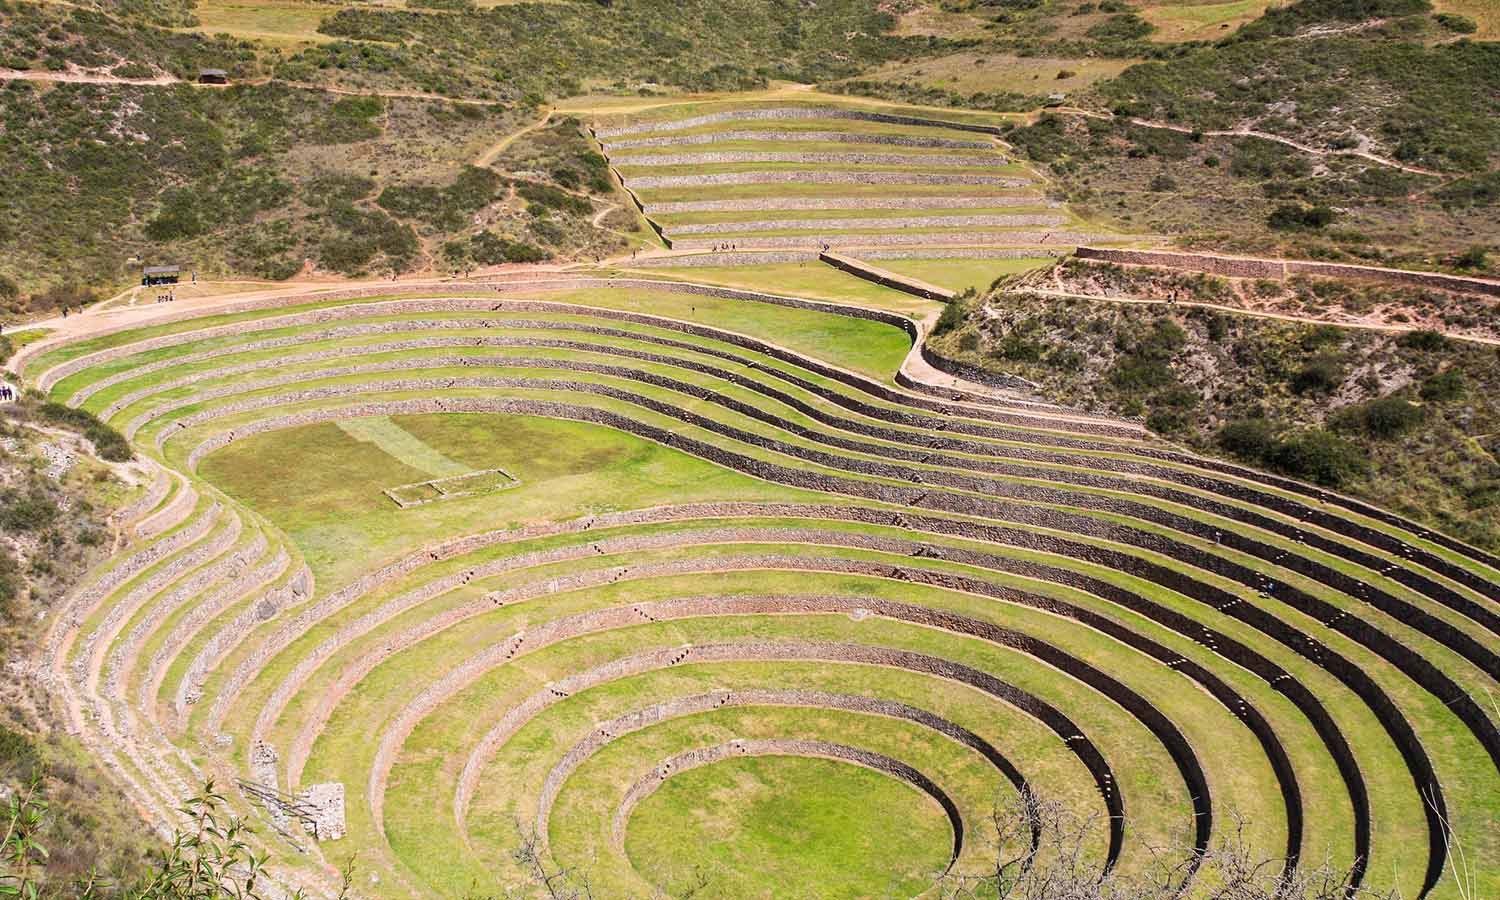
x=1193, y=21
x=974, y=72
x=960, y=274
x=279, y=24
x=731, y=531
x=1485, y=14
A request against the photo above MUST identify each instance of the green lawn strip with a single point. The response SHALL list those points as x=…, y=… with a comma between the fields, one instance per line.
x=673, y=220
x=795, y=189
x=228, y=355
x=678, y=111
x=1389, y=529
x=1001, y=169
x=401, y=445
x=858, y=345
x=813, y=280
x=1141, y=765
x=177, y=666
x=991, y=235
x=829, y=583
x=797, y=418
x=161, y=626
x=781, y=145
x=115, y=339
x=581, y=831
x=97, y=616
x=960, y=274
x=792, y=815
x=848, y=126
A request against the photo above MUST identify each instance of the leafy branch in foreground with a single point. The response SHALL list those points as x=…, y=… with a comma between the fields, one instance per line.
x=210, y=859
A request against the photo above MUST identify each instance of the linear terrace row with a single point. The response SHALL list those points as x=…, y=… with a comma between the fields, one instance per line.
x=788, y=177
x=1326, y=640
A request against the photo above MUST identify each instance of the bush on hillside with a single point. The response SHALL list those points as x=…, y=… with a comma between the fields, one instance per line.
x=1295, y=217
x=1383, y=418
x=108, y=443
x=1312, y=454
x=952, y=318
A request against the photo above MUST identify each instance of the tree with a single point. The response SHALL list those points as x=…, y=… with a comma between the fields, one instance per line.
x=1041, y=852
x=210, y=859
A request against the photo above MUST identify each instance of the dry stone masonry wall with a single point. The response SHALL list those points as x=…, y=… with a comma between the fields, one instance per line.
x=979, y=501
x=1278, y=269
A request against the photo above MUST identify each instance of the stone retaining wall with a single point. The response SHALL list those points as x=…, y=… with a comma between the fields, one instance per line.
x=909, y=222
x=790, y=112
x=1352, y=675
x=188, y=626
x=697, y=260
x=920, y=161
x=607, y=732
x=826, y=137
x=1318, y=515
x=931, y=239
x=881, y=277
x=969, y=530
x=775, y=257
x=788, y=204
x=1336, y=523
x=735, y=749
x=1242, y=267
x=1412, y=579
x=819, y=176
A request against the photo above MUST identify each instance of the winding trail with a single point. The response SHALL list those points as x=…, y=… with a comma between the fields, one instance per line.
x=1246, y=131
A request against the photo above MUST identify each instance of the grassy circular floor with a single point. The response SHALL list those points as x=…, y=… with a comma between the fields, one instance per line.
x=788, y=826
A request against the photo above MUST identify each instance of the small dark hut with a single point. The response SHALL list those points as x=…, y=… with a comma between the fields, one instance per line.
x=155, y=275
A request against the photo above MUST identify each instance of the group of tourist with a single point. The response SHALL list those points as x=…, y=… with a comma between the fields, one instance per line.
x=718, y=248
x=7, y=392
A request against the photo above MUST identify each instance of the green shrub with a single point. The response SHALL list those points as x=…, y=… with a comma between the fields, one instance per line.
x=552, y=198
x=1456, y=23
x=1319, y=456
x=1249, y=439
x=953, y=316
x=30, y=510
x=1423, y=340
x=1321, y=375
x=1122, y=27
x=1017, y=347
x=1383, y=418
x=108, y=443
x=1444, y=387
x=1294, y=217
